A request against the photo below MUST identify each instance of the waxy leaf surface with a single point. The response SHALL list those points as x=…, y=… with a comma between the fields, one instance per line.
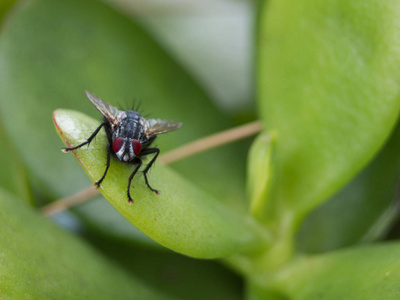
x=329, y=85
x=370, y=273
x=182, y=217
x=363, y=211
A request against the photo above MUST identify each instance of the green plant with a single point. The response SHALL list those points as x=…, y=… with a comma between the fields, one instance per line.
x=322, y=175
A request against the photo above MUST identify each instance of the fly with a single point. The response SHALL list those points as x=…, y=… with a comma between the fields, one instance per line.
x=129, y=138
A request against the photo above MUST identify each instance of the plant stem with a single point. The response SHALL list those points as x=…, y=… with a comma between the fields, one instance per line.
x=212, y=141
x=190, y=149
x=69, y=201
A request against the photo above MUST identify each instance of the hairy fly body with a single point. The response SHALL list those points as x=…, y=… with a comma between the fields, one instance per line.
x=129, y=138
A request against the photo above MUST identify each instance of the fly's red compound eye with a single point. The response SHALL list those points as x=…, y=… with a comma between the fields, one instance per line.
x=137, y=146
x=117, y=144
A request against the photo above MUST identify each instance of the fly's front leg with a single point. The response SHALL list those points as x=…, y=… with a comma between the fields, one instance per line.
x=145, y=152
x=97, y=183
x=65, y=150
x=139, y=162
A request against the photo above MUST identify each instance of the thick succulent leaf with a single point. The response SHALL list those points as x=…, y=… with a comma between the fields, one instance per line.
x=13, y=177
x=177, y=275
x=371, y=272
x=361, y=212
x=52, y=51
x=38, y=260
x=259, y=171
x=183, y=217
x=103, y=221
x=329, y=85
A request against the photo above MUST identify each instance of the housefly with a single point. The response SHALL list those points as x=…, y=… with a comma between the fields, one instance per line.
x=129, y=138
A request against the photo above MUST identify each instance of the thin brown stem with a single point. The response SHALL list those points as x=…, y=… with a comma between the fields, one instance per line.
x=212, y=141
x=69, y=201
x=190, y=149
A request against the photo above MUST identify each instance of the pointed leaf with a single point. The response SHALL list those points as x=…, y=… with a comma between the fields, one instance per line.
x=182, y=218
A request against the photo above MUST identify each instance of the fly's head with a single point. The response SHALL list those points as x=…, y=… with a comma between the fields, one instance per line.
x=126, y=149
x=126, y=138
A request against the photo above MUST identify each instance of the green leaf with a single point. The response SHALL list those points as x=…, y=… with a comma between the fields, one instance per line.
x=367, y=205
x=328, y=84
x=371, y=272
x=182, y=218
x=259, y=172
x=38, y=260
x=52, y=51
x=5, y=6
x=102, y=220
x=13, y=177
x=179, y=276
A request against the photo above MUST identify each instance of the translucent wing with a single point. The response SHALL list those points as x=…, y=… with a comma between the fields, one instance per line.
x=112, y=114
x=157, y=126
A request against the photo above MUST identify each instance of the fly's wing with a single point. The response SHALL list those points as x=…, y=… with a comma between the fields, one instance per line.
x=111, y=113
x=157, y=126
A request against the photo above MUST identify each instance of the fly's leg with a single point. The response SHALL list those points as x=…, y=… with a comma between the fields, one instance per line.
x=97, y=183
x=65, y=150
x=145, y=152
x=139, y=162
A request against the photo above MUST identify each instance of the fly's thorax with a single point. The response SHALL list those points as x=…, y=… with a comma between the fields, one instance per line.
x=131, y=126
